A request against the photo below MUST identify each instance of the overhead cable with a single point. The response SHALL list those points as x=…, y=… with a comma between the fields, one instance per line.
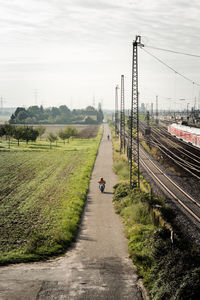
x=172, y=69
x=172, y=51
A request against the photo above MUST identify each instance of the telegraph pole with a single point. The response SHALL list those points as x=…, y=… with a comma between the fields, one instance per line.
x=152, y=111
x=134, y=120
x=116, y=110
x=148, y=130
x=157, y=110
x=122, y=117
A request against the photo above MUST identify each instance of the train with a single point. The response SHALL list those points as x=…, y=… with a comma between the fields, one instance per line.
x=190, y=135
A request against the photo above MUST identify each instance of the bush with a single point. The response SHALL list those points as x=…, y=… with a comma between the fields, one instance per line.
x=121, y=190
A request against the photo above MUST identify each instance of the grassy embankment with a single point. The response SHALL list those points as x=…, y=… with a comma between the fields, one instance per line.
x=169, y=270
x=42, y=197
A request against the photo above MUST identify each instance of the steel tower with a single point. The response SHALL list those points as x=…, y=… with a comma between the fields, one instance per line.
x=134, y=120
x=122, y=117
x=116, y=111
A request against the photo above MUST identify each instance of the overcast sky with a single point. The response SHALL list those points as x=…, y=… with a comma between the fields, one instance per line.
x=71, y=52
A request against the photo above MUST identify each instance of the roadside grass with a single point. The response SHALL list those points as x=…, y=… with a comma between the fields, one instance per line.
x=169, y=270
x=43, y=192
x=139, y=226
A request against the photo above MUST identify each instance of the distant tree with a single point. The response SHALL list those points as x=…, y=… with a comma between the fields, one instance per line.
x=51, y=138
x=39, y=115
x=22, y=115
x=2, y=130
x=41, y=130
x=55, y=112
x=70, y=131
x=8, y=132
x=90, y=108
x=18, y=133
x=18, y=109
x=100, y=115
x=29, y=134
x=64, y=109
x=12, y=119
x=21, y=112
x=34, y=111
x=62, y=135
x=74, y=132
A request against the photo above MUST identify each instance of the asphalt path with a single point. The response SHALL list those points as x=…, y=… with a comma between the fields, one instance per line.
x=96, y=267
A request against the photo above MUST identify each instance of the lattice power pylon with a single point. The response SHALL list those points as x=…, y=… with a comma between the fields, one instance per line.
x=116, y=111
x=122, y=118
x=134, y=120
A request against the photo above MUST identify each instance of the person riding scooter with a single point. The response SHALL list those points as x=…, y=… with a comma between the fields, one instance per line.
x=102, y=184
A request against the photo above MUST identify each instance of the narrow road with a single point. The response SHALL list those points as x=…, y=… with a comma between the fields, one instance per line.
x=97, y=267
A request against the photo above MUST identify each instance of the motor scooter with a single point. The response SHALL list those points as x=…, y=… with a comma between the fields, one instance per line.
x=102, y=187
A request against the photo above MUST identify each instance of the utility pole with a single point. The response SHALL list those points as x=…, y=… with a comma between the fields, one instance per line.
x=148, y=130
x=116, y=110
x=122, y=117
x=152, y=111
x=134, y=120
x=157, y=110
x=188, y=112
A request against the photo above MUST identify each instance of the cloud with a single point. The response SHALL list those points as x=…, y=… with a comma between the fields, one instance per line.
x=42, y=35
x=98, y=21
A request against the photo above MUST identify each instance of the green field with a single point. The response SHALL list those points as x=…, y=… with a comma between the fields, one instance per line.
x=42, y=195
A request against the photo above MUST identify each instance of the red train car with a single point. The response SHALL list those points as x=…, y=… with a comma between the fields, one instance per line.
x=188, y=134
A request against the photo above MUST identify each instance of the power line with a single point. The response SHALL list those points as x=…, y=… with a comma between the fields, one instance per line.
x=172, y=51
x=172, y=69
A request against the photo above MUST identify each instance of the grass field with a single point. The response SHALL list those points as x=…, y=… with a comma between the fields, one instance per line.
x=42, y=195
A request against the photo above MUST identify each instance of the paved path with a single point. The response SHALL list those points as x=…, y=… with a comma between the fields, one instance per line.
x=97, y=267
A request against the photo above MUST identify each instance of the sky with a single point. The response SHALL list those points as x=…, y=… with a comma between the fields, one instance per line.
x=73, y=52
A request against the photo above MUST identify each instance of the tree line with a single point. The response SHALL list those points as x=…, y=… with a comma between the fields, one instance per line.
x=63, y=134
x=56, y=115
x=19, y=133
x=28, y=133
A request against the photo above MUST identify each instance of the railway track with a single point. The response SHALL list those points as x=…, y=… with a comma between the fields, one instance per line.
x=188, y=205
x=183, y=158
